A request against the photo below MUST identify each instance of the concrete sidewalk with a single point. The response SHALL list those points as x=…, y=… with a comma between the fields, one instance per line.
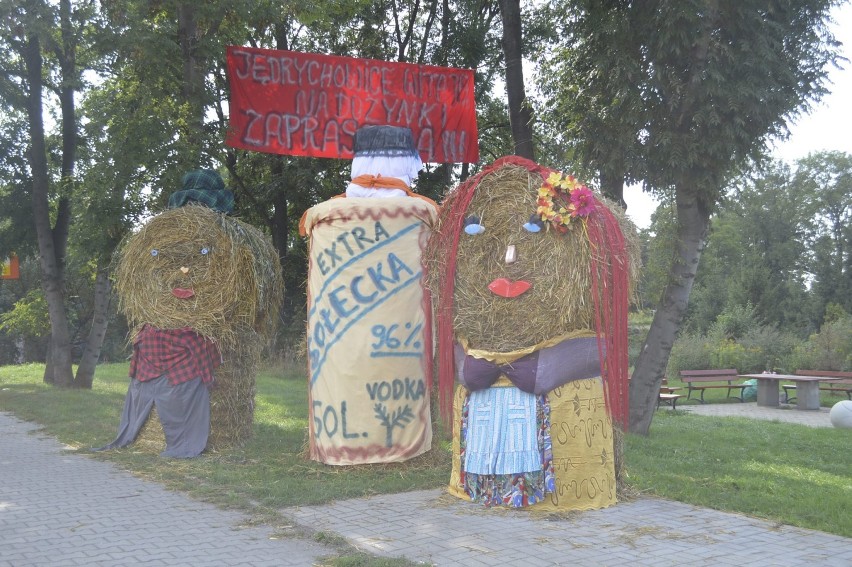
x=785, y=412
x=58, y=508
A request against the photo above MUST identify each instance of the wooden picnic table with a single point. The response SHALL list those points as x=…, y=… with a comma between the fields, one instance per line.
x=807, y=389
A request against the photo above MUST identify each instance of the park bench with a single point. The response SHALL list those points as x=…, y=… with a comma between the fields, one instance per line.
x=841, y=385
x=701, y=380
x=667, y=395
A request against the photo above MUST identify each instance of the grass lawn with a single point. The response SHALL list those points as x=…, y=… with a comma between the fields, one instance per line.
x=781, y=472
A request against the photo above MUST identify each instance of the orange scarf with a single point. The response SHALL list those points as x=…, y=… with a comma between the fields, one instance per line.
x=374, y=182
x=370, y=181
x=380, y=182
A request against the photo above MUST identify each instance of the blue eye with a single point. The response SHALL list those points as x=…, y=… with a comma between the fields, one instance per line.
x=205, y=251
x=155, y=252
x=472, y=226
x=534, y=224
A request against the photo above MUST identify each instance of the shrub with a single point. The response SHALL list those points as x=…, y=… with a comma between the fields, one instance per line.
x=733, y=342
x=829, y=349
x=775, y=348
x=735, y=322
x=730, y=354
x=689, y=352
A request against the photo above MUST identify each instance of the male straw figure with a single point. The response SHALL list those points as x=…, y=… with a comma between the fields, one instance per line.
x=198, y=287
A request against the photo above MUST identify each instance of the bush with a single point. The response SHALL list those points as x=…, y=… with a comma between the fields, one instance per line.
x=750, y=348
x=756, y=348
x=637, y=330
x=829, y=349
x=775, y=348
x=730, y=354
x=690, y=351
x=735, y=322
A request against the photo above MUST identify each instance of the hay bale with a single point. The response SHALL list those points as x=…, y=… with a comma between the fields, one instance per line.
x=237, y=289
x=560, y=299
x=232, y=396
x=151, y=438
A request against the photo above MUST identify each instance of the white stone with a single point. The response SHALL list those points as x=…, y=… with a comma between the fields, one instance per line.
x=841, y=414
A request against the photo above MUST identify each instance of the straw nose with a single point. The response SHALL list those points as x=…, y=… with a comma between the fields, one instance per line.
x=511, y=254
x=184, y=269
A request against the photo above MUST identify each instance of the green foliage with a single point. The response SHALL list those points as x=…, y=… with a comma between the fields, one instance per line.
x=826, y=181
x=772, y=248
x=830, y=349
x=690, y=352
x=734, y=322
x=658, y=252
x=754, y=348
x=638, y=325
x=28, y=316
x=774, y=347
x=834, y=312
x=682, y=92
x=729, y=354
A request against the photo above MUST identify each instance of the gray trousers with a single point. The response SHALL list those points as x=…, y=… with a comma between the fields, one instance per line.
x=184, y=412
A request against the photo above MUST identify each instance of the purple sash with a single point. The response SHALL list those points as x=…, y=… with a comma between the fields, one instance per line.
x=538, y=372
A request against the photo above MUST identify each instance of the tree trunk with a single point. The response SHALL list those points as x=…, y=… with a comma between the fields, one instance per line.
x=51, y=268
x=612, y=185
x=520, y=113
x=100, y=319
x=48, y=362
x=66, y=53
x=193, y=82
x=693, y=224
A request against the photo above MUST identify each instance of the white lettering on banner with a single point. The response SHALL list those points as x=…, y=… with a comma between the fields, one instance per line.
x=372, y=77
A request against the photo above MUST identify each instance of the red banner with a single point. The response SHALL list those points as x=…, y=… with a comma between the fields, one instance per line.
x=307, y=104
x=10, y=269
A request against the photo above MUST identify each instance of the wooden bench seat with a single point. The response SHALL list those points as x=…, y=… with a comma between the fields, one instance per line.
x=668, y=399
x=701, y=380
x=842, y=384
x=667, y=395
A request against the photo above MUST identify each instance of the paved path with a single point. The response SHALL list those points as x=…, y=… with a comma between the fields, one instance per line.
x=786, y=412
x=58, y=508
x=61, y=509
x=429, y=526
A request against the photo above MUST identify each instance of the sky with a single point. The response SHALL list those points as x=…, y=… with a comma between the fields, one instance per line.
x=827, y=127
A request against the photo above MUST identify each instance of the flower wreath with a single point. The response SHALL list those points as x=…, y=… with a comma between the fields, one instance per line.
x=561, y=199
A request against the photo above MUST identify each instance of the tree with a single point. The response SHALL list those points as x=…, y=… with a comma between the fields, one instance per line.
x=700, y=87
x=39, y=20
x=520, y=112
x=756, y=254
x=46, y=59
x=586, y=80
x=827, y=177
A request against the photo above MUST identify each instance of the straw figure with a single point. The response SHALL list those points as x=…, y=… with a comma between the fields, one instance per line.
x=201, y=291
x=532, y=273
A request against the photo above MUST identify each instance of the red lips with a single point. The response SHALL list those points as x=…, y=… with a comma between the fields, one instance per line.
x=183, y=293
x=507, y=288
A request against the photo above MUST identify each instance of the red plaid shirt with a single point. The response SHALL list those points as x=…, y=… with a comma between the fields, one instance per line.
x=183, y=354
